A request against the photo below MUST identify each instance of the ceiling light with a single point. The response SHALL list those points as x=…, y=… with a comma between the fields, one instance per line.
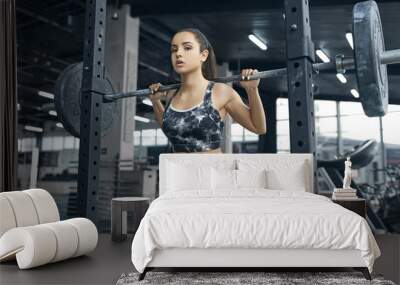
x=322, y=55
x=142, y=119
x=147, y=101
x=33, y=129
x=354, y=93
x=59, y=125
x=349, y=37
x=53, y=113
x=257, y=42
x=46, y=94
x=341, y=78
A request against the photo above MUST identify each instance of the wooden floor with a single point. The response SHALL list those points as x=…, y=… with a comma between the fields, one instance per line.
x=103, y=266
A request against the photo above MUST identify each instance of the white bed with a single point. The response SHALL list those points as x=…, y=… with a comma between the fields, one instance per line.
x=247, y=210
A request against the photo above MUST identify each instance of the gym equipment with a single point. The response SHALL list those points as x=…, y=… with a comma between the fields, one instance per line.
x=68, y=100
x=360, y=157
x=369, y=62
x=369, y=52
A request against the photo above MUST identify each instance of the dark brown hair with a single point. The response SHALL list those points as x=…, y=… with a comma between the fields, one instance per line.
x=209, y=67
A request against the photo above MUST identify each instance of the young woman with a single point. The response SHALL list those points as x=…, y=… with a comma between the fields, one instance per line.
x=194, y=114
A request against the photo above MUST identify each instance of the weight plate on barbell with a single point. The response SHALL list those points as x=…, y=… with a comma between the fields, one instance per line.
x=68, y=97
x=369, y=44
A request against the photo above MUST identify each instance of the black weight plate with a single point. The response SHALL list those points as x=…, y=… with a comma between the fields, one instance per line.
x=67, y=101
x=369, y=44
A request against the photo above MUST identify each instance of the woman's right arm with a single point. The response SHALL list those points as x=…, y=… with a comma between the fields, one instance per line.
x=158, y=110
x=155, y=100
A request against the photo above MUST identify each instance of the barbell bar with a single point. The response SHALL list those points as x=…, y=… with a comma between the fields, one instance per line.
x=388, y=57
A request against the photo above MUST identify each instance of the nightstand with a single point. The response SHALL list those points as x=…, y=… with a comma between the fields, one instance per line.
x=357, y=205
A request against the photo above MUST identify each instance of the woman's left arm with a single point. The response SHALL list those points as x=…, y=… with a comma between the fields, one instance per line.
x=253, y=116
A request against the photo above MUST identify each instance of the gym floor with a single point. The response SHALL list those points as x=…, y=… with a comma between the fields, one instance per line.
x=103, y=266
x=110, y=259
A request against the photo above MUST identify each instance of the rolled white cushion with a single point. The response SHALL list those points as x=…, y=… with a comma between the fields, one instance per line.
x=45, y=205
x=87, y=235
x=33, y=246
x=23, y=208
x=37, y=245
x=66, y=238
x=7, y=218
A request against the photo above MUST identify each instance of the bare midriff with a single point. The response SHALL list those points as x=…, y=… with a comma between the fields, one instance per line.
x=217, y=150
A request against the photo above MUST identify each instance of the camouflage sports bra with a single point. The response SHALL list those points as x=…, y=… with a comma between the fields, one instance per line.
x=195, y=129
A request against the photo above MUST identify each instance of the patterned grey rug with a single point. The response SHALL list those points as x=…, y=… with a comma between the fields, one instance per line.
x=243, y=278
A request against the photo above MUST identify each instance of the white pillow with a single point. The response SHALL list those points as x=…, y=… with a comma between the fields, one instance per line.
x=293, y=179
x=283, y=173
x=223, y=179
x=188, y=177
x=251, y=178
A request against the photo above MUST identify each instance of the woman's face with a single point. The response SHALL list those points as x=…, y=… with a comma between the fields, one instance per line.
x=185, y=53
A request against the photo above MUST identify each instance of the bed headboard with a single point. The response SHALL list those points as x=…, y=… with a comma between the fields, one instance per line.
x=262, y=160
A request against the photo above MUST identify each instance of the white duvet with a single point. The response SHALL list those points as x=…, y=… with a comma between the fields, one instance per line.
x=253, y=218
